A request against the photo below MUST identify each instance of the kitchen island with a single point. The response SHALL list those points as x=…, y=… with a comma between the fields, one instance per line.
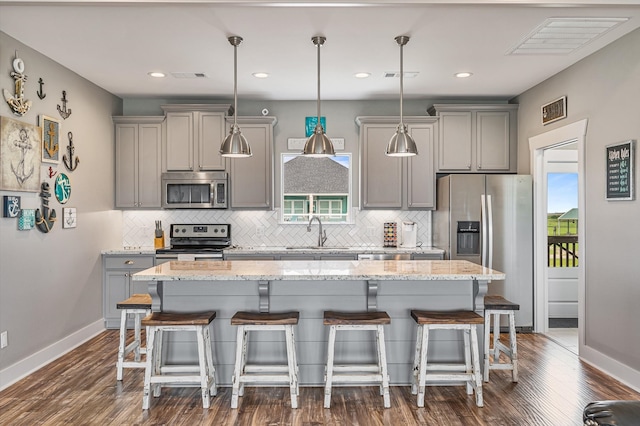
x=311, y=287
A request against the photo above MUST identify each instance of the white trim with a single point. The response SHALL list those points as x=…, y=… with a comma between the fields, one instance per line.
x=616, y=369
x=34, y=362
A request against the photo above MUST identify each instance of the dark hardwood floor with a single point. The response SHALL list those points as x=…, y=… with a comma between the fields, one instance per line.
x=80, y=388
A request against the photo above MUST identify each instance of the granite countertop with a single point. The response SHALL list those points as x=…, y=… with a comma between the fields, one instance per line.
x=330, y=249
x=318, y=270
x=130, y=250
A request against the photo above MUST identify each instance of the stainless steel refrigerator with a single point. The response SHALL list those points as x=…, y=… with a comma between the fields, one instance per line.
x=488, y=220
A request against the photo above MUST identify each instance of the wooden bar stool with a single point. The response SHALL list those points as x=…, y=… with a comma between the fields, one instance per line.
x=496, y=306
x=467, y=372
x=357, y=373
x=157, y=375
x=138, y=305
x=264, y=373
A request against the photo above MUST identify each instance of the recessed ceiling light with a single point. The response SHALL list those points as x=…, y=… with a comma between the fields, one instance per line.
x=362, y=74
x=157, y=74
x=464, y=74
x=260, y=74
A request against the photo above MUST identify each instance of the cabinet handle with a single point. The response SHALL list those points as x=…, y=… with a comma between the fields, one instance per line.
x=469, y=166
x=479, y=166
x=126, y=274
x=128, y=262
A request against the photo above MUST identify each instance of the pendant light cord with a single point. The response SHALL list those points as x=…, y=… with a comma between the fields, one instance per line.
x=401, y=82
x=235, y=85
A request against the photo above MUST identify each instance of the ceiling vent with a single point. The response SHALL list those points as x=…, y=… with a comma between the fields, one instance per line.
x=562, y=36
x=407, y=74
x=189, y=75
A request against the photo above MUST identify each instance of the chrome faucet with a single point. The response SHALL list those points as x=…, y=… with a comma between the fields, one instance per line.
x=322, y=236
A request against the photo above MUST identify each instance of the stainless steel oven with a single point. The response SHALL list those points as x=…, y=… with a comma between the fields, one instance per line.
x=196, y=242
x=186, y=190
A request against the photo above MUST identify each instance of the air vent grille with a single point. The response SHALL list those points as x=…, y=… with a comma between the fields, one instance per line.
x=407, y=74
x=189, y=75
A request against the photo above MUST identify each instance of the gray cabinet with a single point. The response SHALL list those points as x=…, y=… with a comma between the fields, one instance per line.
x=138, y=161
x=391, y=182
x=244, y=256
x=194, y=133
x=117, y=284
x=251, y=179
x=476, y=138
x=427, y=256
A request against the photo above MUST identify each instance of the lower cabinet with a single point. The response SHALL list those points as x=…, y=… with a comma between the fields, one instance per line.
x=427, y=256
x=117, y=284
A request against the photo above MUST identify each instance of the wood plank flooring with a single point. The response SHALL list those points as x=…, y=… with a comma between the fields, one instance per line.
x=80, y=388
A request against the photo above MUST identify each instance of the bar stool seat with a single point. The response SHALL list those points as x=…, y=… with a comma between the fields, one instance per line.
x=138, y=305
x=264, y=373
x=357, y=373
x=496, y=306
x=467, y=372
x=158, y=375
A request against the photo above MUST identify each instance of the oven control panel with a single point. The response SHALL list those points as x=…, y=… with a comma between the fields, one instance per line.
x=216, y=230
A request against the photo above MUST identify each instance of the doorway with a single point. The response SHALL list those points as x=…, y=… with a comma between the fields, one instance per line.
x=541, y=146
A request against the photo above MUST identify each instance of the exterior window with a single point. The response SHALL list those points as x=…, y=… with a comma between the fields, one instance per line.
x=316, y=187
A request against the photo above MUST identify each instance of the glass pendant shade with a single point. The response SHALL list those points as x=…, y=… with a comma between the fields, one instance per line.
x=318, y=145
x=401, y=143
x=235, y=145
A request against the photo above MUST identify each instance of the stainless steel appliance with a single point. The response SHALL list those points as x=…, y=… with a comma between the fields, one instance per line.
x=196, y=242
x=201, y=190
x=488, y=220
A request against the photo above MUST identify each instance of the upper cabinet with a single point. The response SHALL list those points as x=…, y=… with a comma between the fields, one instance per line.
x=251, y=179
x=476, y=138
x=138, y=161
x=194, y=134
x=393, y=182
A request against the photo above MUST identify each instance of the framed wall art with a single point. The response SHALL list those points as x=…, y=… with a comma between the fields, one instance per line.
x=10, y=206
x=69, y=217
x=50, y=139
x=26, y=219
x=20, y=157
x=554, y=110
x=620, y=162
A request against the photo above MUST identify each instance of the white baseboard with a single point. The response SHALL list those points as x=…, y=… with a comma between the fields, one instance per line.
x=619, y=371
x=33, y=362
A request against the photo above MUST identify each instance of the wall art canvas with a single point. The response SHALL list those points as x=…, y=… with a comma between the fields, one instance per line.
x=26, y=219
x=20, y=157
x=10, y=206
x=50, y=139
x=69, y=217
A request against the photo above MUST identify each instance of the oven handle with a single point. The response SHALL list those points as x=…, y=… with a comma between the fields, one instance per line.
x=201, y=256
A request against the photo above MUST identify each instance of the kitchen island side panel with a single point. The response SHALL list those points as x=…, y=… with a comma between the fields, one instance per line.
x=311, y=299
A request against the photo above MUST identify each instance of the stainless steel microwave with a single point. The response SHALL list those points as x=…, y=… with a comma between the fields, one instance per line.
x=187, y=190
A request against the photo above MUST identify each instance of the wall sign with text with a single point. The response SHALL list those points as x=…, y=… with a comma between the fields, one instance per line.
x=620, y=170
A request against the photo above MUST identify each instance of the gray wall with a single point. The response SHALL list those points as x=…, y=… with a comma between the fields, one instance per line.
x=51, y=284
x=602, y=88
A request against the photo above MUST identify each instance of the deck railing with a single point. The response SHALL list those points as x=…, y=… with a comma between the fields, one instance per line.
x=563, y=251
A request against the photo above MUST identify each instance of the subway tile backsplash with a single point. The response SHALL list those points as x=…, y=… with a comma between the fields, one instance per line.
x=261, y=228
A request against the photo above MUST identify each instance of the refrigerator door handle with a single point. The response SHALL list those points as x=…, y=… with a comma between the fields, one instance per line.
x=483, y=226
x=490, y=230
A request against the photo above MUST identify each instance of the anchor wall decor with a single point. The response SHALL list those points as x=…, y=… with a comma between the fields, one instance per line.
x=46, y=219
x=17, y=102
x=64, y=112
x=68, y=162
x=40, y=92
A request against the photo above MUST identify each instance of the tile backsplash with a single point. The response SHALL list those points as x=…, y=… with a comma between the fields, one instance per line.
x=261, y=228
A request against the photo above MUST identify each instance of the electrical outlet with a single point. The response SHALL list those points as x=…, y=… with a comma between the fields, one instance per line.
x=4, y=342
x=259, y=231
x=371, y=231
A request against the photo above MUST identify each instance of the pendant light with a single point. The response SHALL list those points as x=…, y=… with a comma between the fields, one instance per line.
x=318, y=145
x=401, y=143
x=235, y=145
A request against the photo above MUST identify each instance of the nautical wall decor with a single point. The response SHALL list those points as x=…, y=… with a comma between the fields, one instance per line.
x=40, y=92
x=26, y=219
x=69, y=162
x=50, y=139
x=17, y=102
x=20, y=156
x=10, y=205
x=62, y=188
x=64, y=112
x=46, y=219
x=52, y=172
x=69, y=217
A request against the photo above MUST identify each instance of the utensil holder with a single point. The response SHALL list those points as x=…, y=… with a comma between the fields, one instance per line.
x=158, y=242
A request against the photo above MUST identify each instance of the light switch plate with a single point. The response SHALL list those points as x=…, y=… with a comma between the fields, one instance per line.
x=4, y=340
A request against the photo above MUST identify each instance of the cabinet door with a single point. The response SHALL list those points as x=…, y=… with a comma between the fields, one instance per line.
x=116, y=289
x=180, y=141
x=251, y=179
x=149, y=169
x=492, y=140
x=211, y=133
x=454, y=141
x=420, y=173
x=126, y=159
x=381, y=175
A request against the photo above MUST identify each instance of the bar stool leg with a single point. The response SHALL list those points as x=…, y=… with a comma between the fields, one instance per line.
x=514, y=346
x=422, y=374
x=476, y=366
x=467, y=358
x=416, y=361
x=240, y=349
x=293, y=377
x=157, y=359
x=204, y=375
x=211, y=370
x=329, y=369
x=496, y=337
x=146, y=393
x=136, y=336
x=122, y=344
x=487, y=351
x=382, y=362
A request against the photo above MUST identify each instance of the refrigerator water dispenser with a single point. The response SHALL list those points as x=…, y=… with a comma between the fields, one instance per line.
x=469, y=238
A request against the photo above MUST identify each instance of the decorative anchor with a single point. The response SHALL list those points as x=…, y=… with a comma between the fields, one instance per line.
x=68, y=162
x=40, y=93
x=18, y=103
x=64, y=112
x=46, y=219
x=52, y=173
x=51, y=147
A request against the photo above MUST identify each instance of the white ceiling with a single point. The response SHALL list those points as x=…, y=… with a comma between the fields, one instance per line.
x=116, y=43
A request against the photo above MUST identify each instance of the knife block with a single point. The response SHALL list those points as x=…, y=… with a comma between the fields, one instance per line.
x=158, y=242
